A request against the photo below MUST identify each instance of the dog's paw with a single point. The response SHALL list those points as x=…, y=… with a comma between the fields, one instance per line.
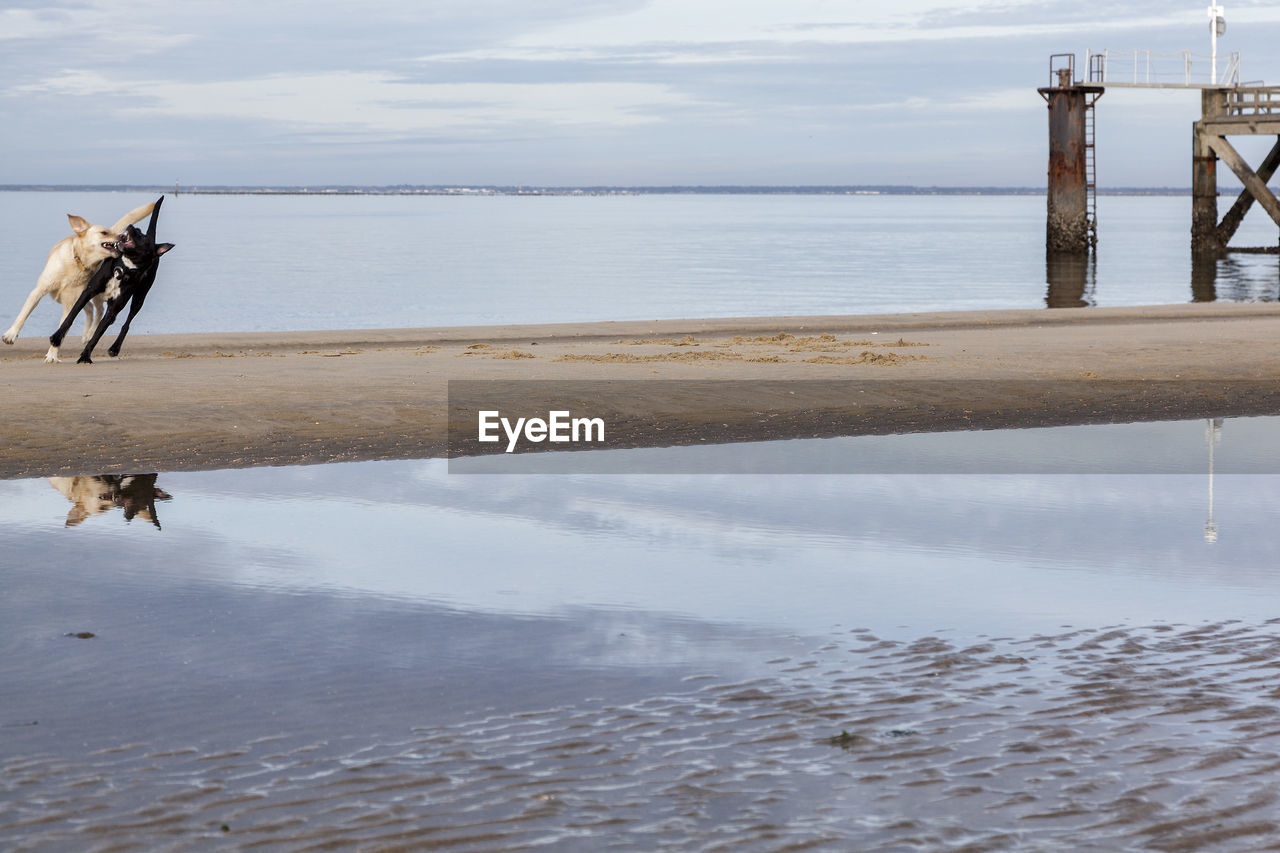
x=51, y=357
x=9, y=337
x=84, y=359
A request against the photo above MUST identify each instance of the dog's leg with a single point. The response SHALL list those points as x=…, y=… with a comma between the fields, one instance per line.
x=27, y=307
x=87, y=298
x=135, y=305
x=108, y=317
x=68, y=317
x=140, y=289
x=92, y=311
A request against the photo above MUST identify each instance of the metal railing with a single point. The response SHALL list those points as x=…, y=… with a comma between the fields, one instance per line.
x=1062, y=69
x=1148, y=68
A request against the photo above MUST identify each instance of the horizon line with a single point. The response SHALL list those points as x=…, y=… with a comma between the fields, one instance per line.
x=555, y=189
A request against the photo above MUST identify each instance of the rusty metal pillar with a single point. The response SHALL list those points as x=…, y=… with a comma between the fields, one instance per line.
x=1067, y=225
x=1205, y=239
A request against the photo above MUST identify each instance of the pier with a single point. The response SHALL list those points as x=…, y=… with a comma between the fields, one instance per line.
x=1244, y=110
x=1227, y=108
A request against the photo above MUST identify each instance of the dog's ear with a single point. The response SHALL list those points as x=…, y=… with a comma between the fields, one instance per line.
x=78, y=223
x=161, y=248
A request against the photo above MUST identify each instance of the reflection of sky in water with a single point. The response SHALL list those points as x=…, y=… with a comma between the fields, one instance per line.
x=798, y=553
x=803, y=554
x=373, y=596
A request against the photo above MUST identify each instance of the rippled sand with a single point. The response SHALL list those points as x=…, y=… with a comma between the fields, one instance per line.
x=1163, y=737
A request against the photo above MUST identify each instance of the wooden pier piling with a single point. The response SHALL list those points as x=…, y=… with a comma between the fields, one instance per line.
x=1241, y=110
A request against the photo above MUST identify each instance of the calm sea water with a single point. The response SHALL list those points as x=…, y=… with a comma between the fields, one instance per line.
x=256, y=263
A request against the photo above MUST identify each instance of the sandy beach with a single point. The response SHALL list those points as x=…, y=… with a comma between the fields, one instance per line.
x=189, y=402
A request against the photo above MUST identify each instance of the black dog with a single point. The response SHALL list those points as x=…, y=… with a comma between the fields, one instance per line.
x=126, y=279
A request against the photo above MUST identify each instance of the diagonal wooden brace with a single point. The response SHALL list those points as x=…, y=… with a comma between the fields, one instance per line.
x=1252, y=183
x=1230, y=222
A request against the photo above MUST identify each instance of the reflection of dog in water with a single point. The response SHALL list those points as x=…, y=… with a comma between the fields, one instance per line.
x=136, y=494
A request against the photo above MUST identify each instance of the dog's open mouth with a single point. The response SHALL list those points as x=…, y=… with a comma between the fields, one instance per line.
x=118, y=246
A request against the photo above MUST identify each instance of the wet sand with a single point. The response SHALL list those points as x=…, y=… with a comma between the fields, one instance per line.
x=189, y=402
x=1160, y=737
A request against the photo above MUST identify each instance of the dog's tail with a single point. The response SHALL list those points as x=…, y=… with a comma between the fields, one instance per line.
x=136, y=215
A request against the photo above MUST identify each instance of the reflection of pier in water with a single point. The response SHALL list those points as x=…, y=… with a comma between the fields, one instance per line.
x=1212, y=435
x=1228, y=279
x=135, y=494
x=1072, y=280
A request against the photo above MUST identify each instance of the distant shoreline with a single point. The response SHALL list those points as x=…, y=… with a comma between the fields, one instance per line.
x=497, y=190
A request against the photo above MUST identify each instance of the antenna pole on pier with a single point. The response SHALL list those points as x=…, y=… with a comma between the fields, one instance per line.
x=1217, y=26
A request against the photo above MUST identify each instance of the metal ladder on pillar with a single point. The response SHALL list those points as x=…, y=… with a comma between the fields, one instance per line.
x=1090, y=176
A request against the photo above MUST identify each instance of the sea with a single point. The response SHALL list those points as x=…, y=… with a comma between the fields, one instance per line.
x=1039, y=640
x=249, y=263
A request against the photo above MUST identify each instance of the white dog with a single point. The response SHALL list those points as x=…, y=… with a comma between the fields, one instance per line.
x=70, y=265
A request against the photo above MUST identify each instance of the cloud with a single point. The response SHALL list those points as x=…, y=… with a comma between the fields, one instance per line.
x=18, y=22
x=612, y=91
x=666, y=24
x=975, y=102
x=376, y=103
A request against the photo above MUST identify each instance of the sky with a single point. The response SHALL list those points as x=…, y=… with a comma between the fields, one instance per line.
x=590, y=92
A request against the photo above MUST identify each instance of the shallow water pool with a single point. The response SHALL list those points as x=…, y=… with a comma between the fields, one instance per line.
x=388, y=653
